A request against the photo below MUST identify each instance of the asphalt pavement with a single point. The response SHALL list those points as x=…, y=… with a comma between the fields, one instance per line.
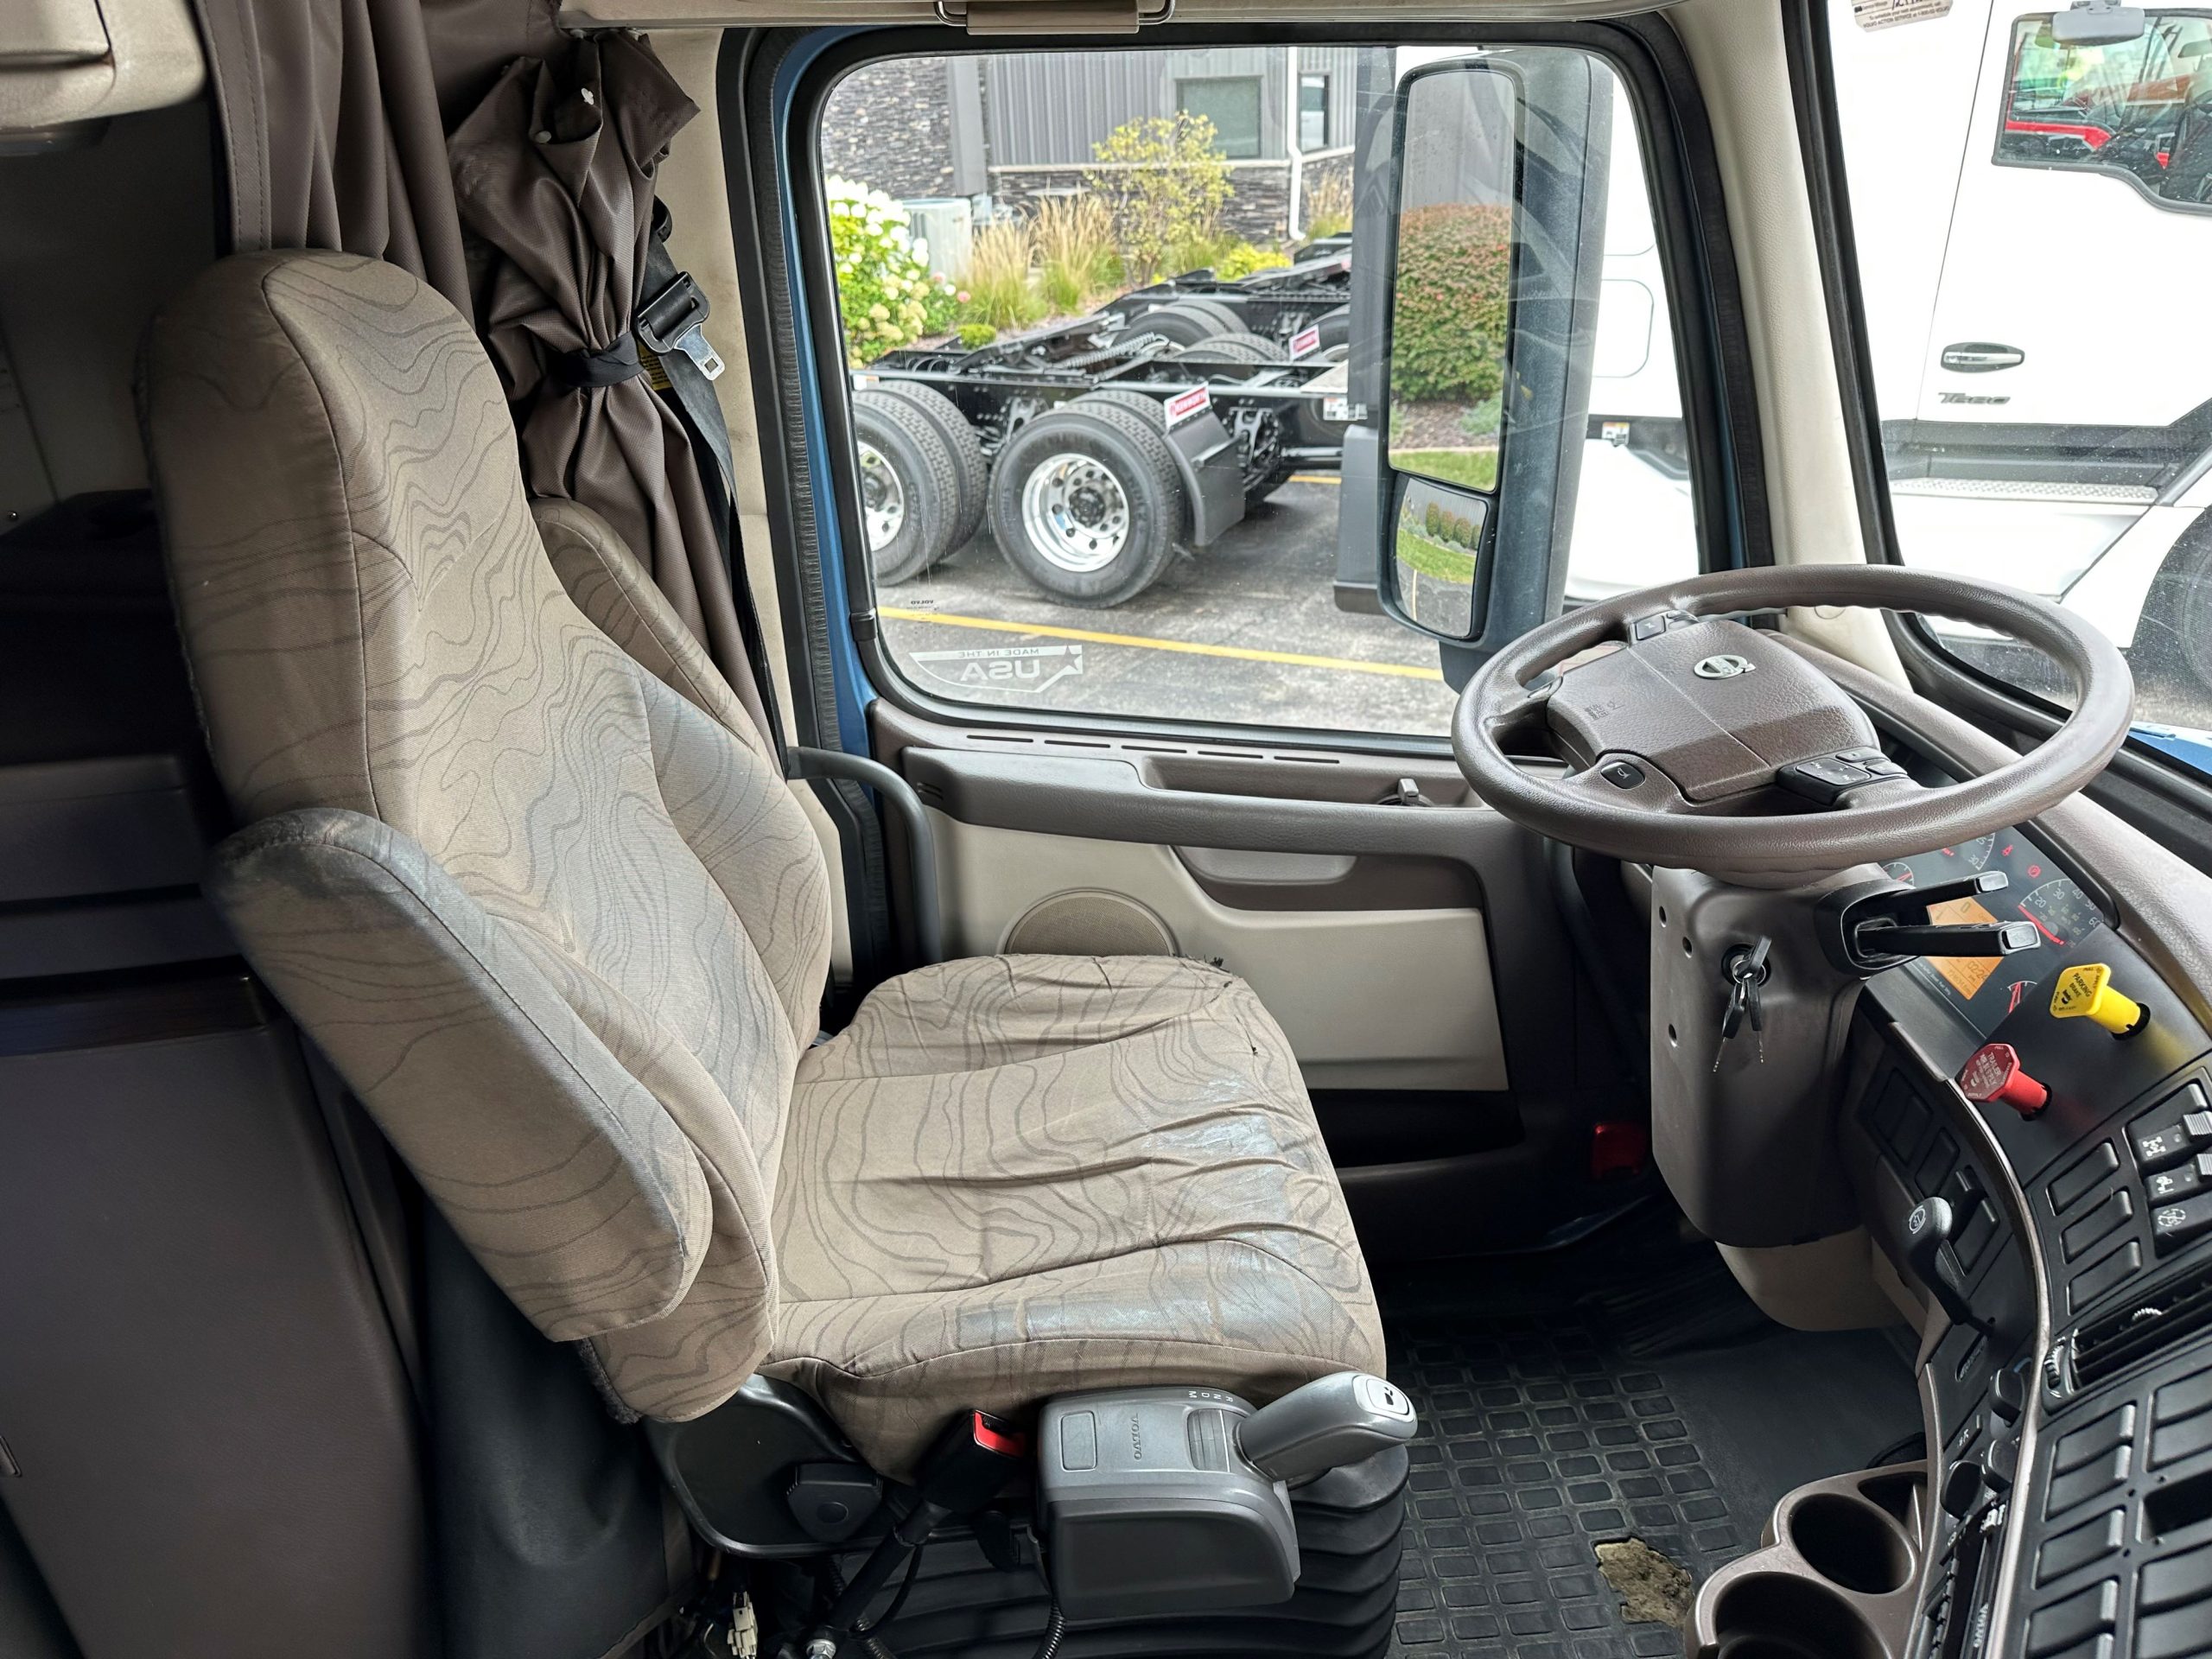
x=1245, y=631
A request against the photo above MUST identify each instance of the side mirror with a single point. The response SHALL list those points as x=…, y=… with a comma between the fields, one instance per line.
x=1477, y=252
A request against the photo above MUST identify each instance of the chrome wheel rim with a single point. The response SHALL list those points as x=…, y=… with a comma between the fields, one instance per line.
x=883, y=498
x=1075, y=512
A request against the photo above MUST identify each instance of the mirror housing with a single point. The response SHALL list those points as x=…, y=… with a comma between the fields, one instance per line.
x=1505, y=507
x=2098, y=22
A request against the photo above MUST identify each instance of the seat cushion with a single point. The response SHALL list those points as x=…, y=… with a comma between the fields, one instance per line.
x=1012, y=1177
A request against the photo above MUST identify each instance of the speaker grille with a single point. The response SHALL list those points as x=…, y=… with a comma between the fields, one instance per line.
x=1090, y=922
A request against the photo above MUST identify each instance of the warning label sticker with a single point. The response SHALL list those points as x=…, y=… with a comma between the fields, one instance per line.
x=1187, y=405
x=1885, y=14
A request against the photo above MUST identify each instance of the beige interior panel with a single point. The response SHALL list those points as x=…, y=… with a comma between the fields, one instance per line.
x=694, y=185
x=69, y=60
x=1377, y=999
x=1736, y=48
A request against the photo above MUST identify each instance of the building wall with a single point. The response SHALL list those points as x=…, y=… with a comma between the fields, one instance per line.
x=891, y=125
x=1045, y=109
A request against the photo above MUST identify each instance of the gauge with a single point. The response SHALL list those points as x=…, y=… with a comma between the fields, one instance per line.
x=1897, y=870
x=1974, y=854
x=2061, y=912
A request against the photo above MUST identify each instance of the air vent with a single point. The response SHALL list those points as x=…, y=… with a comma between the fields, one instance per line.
x=2179, y=1309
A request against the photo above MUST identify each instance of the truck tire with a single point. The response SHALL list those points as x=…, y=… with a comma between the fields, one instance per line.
x=971, y=473
x=1255, y=493
x=907, y=487
x=1187, y=321
x=1086, y=503
x=2173, y=653
x=1239, y=347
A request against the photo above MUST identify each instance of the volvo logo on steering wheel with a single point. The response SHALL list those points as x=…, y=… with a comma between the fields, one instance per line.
x=1727, y=666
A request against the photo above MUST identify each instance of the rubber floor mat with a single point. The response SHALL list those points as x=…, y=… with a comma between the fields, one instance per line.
x=1544, y=1435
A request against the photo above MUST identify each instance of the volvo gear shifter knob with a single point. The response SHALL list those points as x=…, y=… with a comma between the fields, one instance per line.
x=1330, y=1421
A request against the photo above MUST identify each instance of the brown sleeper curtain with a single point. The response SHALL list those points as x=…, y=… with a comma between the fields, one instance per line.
x=554, y=174
x=532, y=218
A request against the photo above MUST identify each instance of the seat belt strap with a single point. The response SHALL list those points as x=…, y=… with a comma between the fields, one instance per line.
x=672, y=325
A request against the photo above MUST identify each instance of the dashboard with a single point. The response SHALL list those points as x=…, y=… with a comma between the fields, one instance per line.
x=1985, y=991
x=2070, y=1419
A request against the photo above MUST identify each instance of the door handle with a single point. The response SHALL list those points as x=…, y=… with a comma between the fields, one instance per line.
x=1981, y=357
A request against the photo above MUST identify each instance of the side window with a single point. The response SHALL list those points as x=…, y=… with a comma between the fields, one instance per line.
x=2035, y=432
x=2139, y=108
x=1097, y=309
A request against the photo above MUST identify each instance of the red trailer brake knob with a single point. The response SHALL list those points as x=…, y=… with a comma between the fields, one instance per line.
x=1994, y=1073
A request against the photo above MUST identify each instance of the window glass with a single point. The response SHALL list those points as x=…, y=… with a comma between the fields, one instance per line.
x=2046, y=420
x=1233, y=107
x=995, y=221
x=1313, y=111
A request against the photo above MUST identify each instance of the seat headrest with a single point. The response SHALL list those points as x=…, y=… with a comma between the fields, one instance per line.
x=336, y=470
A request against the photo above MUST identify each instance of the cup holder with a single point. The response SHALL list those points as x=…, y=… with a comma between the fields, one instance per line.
x=1783, y=1616
x=1850, y=1542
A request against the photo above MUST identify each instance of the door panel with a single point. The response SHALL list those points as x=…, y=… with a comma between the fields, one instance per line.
x=1369, y=999
x=1414, y=954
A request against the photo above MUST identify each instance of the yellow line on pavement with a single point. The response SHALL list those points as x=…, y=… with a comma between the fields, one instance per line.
x=1188, y=647
x=1315, y=477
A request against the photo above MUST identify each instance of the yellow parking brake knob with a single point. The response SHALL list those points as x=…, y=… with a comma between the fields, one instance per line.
x=2085, y=992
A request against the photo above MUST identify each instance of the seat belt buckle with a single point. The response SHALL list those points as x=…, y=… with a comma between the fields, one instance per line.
x=675, y=320
x=971, y=1462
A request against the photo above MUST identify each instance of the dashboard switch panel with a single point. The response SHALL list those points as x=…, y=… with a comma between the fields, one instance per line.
x=2173, y=1226
x=2181, y=1130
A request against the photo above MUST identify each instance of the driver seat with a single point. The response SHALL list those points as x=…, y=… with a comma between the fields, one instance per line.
x=551, y=910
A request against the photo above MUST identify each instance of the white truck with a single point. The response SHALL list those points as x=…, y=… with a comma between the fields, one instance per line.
x=2033, y=235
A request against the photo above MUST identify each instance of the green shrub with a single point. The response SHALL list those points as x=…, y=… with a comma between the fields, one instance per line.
x=885, y=291
x=1447, y=326
x=974, y=335
x=1432, y=520
x=1164, y=181
x=1241, y=259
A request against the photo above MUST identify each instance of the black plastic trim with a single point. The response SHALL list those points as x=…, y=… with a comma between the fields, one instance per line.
x=1705, y=302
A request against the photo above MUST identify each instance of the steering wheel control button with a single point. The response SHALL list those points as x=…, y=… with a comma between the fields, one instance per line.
x=2173, y=1226
x=1622, y=774
x=1994, y=1076
x=2085, y=991
x=1659, y=622
x=1823, y=781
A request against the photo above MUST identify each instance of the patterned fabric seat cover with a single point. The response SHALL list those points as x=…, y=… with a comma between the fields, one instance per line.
x=517, y=862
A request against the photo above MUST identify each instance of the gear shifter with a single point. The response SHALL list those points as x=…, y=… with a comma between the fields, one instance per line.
x=1330, y=1421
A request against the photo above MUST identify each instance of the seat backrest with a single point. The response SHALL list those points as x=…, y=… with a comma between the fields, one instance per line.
x=563, y=933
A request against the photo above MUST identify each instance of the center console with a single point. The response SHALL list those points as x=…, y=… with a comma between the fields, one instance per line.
x=2065, y=1508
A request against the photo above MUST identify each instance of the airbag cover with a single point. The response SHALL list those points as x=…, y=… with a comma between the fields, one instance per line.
x=1755, y=707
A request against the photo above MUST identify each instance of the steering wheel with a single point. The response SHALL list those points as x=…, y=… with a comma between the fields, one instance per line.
x=1694, y=742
